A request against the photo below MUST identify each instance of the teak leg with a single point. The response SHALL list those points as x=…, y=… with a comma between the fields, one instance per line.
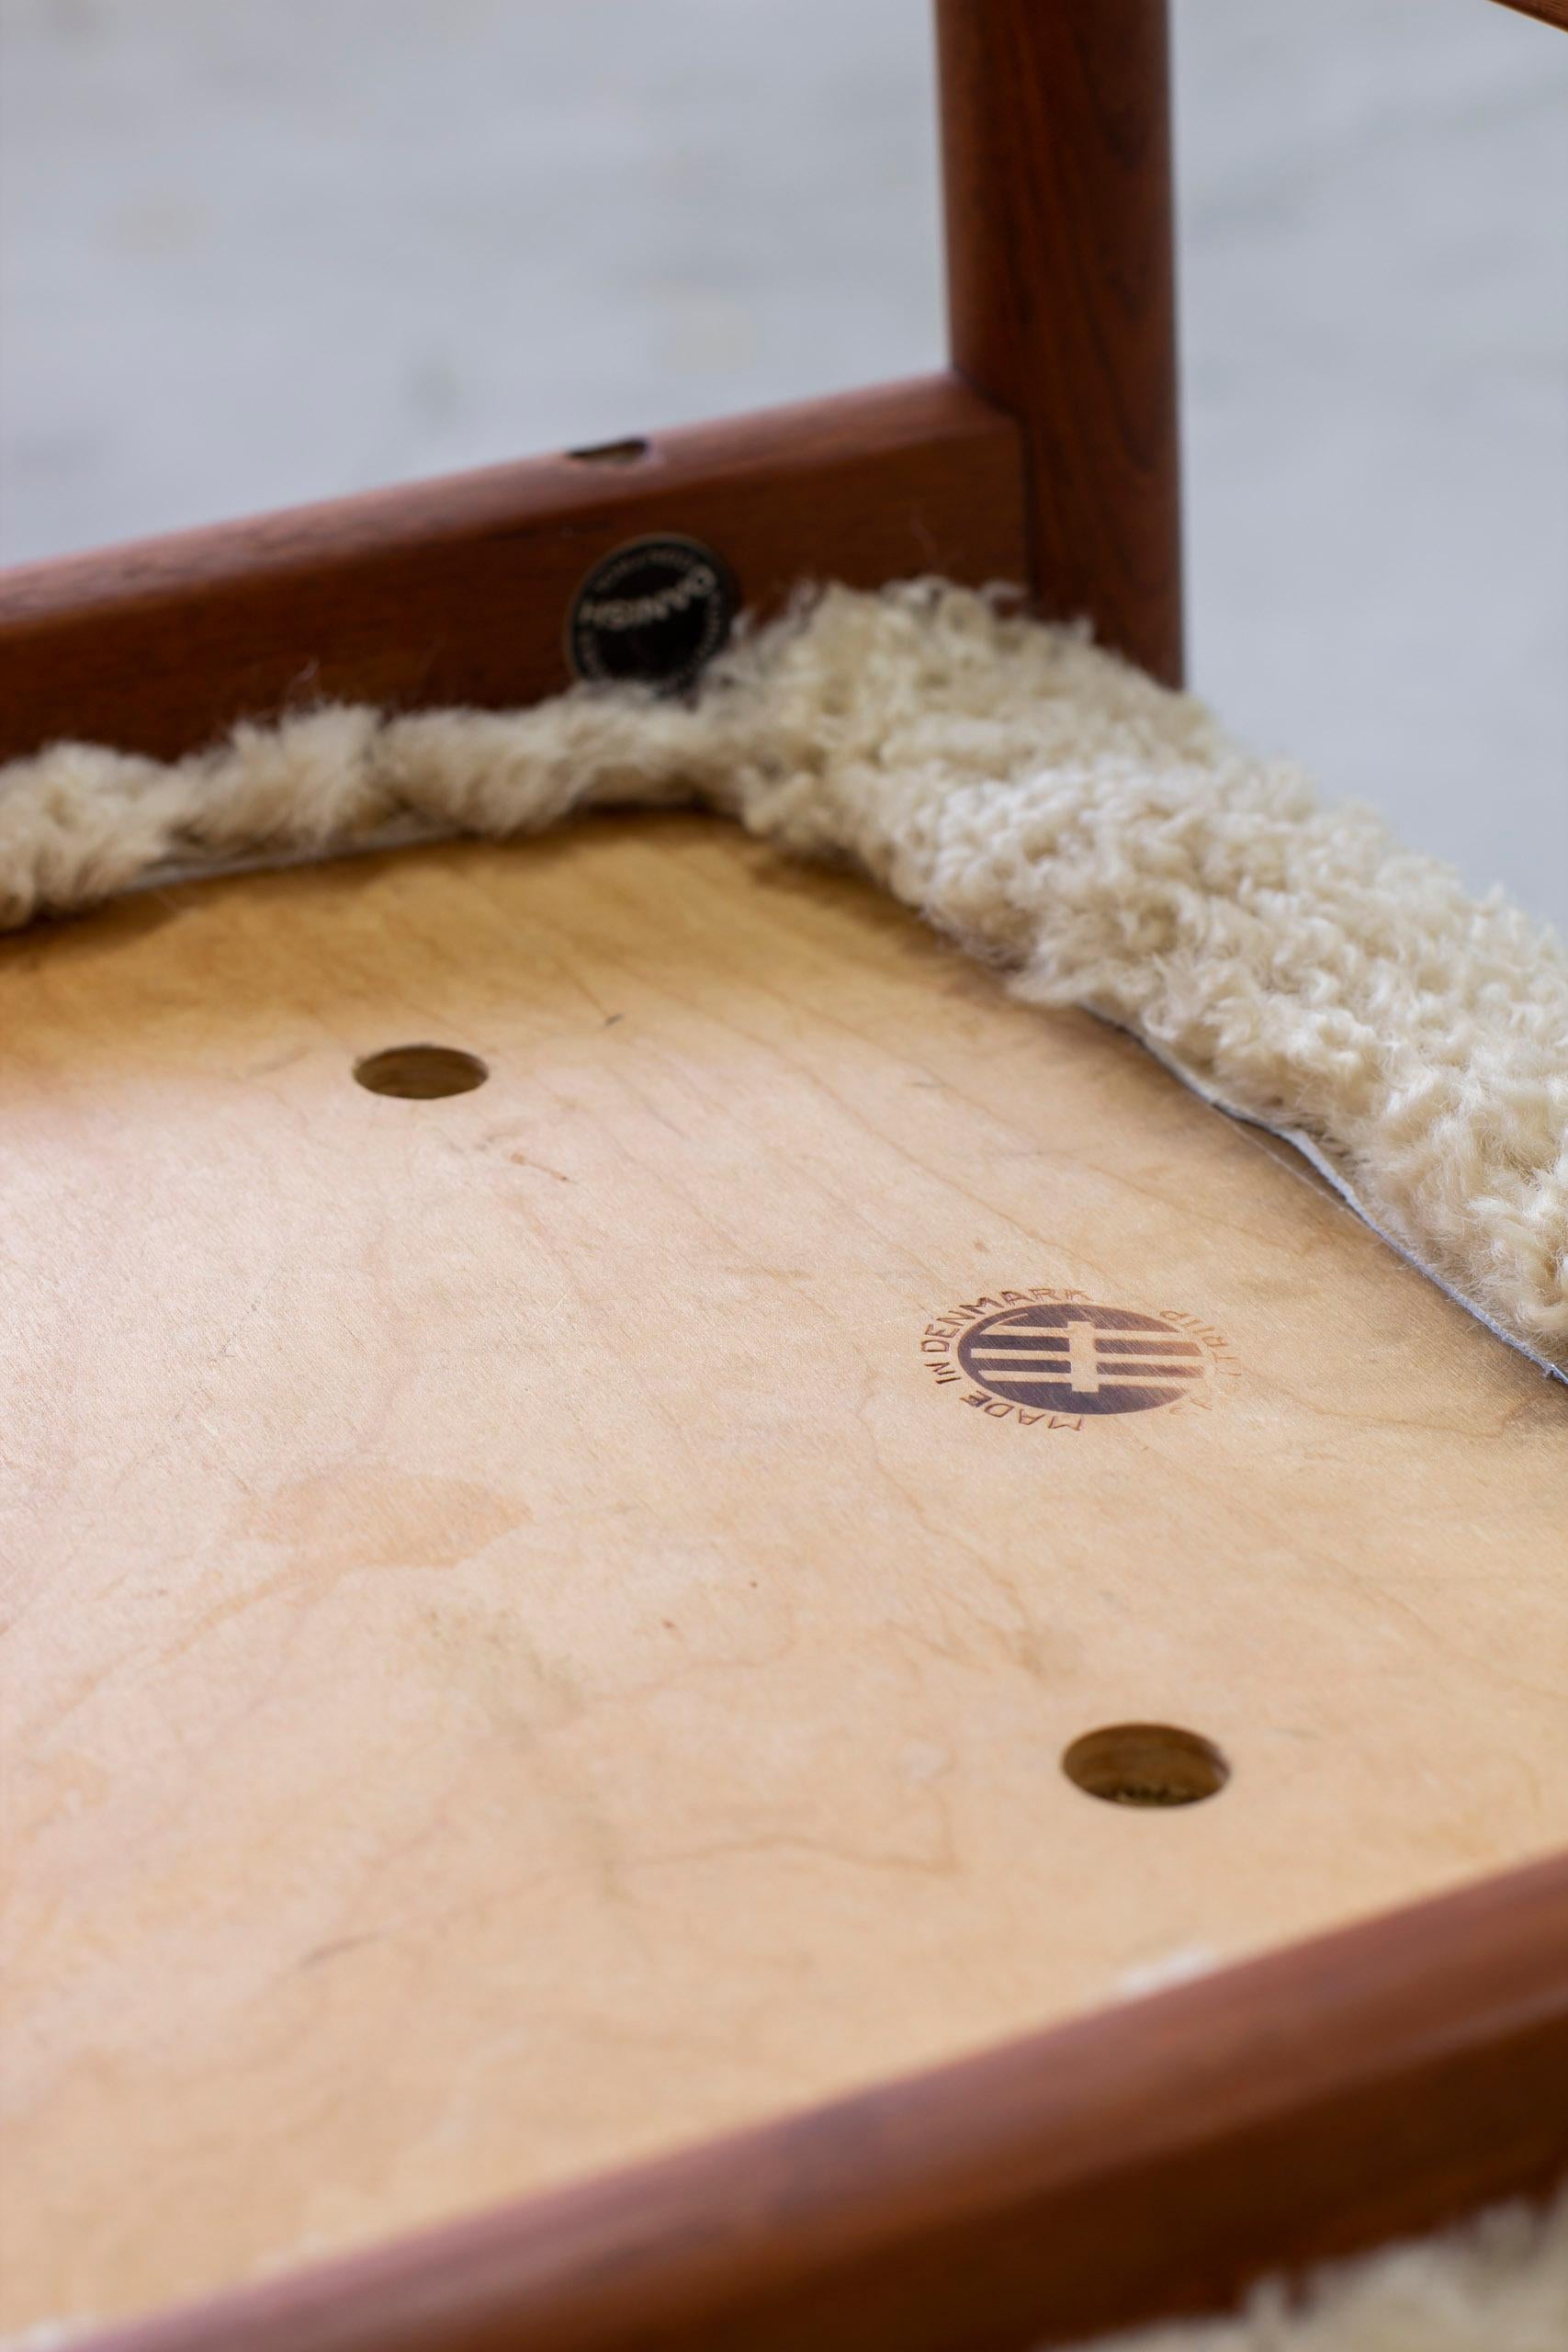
x=1056, y=149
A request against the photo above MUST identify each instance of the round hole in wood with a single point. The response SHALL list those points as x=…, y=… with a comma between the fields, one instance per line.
x=421, y=1073
x=629, y=452
x=1145, y=1764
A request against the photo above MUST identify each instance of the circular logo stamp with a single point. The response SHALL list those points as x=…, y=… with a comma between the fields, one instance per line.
x=652, y=612
x=1057, y=1357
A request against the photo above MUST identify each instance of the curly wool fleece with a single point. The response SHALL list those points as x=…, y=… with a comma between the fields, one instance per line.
x=1099, y=838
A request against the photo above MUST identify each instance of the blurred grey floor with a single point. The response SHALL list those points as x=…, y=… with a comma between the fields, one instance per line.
x=257, y=251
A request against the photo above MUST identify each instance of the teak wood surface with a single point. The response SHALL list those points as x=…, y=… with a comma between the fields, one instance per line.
x=458, y=590
x=1549, y=12
x=519, y=1659
x=1061, y=281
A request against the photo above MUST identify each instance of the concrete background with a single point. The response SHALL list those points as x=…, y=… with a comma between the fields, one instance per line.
x=257, y=251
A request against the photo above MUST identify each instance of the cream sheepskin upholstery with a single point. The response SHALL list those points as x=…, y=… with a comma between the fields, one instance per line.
x=1499, y=2284
x=1100, y=838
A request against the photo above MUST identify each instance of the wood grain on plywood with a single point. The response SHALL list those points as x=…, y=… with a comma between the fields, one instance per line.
x=518, y=1659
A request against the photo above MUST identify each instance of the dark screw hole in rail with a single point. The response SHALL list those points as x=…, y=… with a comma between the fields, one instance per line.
x=1145, y=1764
x=421, y=1073
x=629, y=452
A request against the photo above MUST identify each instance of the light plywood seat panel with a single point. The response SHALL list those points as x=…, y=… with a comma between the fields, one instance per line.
x=517, y=1658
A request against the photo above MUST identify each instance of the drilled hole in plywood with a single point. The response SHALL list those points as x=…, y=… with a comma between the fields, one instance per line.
x=421, y=1073
x=1145, y=1764
x=629, y=452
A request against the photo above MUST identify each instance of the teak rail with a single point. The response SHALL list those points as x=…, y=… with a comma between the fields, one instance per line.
x=1048, y=459
x=1145, y=2162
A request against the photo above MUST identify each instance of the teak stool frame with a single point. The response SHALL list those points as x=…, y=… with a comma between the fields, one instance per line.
x=1151, y=2159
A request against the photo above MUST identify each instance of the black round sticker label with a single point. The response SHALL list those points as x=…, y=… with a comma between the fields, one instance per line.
x=654, y=611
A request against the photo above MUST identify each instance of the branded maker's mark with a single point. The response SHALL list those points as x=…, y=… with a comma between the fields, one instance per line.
x=1059, y=1358
x=655, y=611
